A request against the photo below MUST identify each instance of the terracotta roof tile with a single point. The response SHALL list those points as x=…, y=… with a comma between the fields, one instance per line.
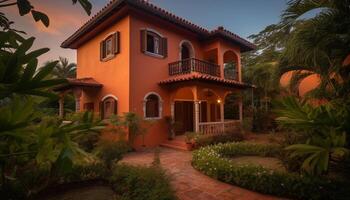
x=206, y=78
x=160, y=12
x=79, y=82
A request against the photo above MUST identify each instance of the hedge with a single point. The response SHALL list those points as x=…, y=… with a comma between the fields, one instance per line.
x=214, y=162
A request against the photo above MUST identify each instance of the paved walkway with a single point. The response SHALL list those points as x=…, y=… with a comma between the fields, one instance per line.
x=188, y=182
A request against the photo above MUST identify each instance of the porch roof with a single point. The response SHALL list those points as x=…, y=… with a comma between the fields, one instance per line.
x=79, y=82
x=205, y=78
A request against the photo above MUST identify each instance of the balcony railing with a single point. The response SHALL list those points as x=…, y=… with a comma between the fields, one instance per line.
x=217, y=128
x=231, y=74
x=193, y=65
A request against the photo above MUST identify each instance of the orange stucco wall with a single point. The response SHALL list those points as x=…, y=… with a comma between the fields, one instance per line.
x=114, y=74
x=132, y=74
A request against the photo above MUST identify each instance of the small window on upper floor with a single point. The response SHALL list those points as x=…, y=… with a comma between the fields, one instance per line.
x=109, y=47
x=153, y=44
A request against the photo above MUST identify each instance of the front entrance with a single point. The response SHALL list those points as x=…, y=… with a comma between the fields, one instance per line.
x=184, y=116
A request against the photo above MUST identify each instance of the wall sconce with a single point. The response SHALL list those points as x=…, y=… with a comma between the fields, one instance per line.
x=219, y=100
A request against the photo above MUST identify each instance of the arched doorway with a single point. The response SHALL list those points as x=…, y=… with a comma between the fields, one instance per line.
x=231, y=65
x=186, y=50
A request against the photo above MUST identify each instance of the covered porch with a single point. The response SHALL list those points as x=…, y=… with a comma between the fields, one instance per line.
x=203, y=104
x=77, y=87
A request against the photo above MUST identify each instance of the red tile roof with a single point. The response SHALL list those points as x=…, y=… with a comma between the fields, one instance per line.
x=80, y=82
x=114, y=5
x=205, y=78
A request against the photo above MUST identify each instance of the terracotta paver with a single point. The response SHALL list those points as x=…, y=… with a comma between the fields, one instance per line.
x=190, y=183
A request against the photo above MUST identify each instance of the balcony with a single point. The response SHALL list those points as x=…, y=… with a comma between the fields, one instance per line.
x=193, y=65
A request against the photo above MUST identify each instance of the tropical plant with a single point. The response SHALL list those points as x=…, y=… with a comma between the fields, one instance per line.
x=135, y=125
x=325, y=127
x=25, y=7
x=319, y=45
x=28, y=139
x=64, y=69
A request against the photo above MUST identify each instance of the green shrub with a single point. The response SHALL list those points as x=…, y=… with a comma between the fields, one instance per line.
x=141, y=183
x=211, y=161
x=91, y=171
x=204, y=140
x=111, y=151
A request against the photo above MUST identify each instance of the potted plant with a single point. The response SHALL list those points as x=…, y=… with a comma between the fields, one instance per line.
x=190, y=139
x=172, y=126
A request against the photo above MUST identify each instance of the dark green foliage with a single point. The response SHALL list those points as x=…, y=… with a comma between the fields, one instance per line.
x=201, y=141
x=211, y=161
x=25, y=7
x=111, y=151
x=325, y=128
x=141, y=183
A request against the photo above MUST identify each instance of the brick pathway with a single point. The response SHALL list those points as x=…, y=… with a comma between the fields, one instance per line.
x=188, y=182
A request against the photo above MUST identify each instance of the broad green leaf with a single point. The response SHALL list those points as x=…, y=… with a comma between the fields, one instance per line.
x=39, y=16
x=34, y=54
x=24, y=7
x=29, y=71
x=45, y=71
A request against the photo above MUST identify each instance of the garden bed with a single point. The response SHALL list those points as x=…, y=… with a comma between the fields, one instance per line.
x=215, y=161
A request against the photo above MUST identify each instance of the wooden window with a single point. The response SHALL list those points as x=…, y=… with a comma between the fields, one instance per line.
x=110, y=46
x=152, y=106
x=108, y=107
x=153, y=44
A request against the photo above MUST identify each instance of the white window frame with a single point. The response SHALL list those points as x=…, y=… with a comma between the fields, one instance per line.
x=160, y=108
x=157, y=55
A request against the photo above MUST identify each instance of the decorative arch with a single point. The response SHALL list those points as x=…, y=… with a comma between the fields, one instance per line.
x=152, y=106
x=230, y=59
x=108, y=106
x=152, y=30
x=109, y=95
x=189, y=45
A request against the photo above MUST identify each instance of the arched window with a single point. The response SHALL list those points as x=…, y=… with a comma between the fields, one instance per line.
x=108, y=107
x=152, y=106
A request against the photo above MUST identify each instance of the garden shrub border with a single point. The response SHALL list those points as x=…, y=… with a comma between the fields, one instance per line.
x=127, y=181
x=214, y=162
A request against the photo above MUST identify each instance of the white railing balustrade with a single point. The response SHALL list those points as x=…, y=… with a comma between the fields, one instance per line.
x=217, y=128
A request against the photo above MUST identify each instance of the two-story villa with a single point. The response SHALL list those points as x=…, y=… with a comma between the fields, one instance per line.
x=135, y=57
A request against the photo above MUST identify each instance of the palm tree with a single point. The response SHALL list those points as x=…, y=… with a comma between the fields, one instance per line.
x=319, y=45
x=64, y=69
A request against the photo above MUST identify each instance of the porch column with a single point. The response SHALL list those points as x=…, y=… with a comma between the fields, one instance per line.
x=240, y=105
x=222, y=116
x=172, y=110
x=77, y=94
x=61, y=105
x=196, y=116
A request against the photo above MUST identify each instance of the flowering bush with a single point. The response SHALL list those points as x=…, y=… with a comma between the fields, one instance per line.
x=213, y=161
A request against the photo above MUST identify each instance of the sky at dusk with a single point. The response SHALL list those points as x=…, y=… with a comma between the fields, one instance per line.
x=243, y=17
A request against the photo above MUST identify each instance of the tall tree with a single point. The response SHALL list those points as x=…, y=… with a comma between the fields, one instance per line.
x=64, y=69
